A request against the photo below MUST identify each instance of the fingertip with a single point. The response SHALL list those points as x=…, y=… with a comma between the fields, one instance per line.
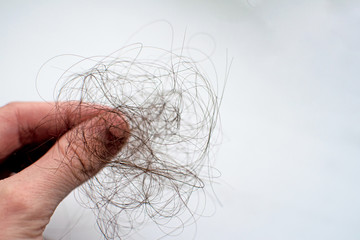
x=117, y=133
x=94, y=143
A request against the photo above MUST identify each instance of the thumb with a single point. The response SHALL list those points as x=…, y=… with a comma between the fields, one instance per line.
x=77, y=156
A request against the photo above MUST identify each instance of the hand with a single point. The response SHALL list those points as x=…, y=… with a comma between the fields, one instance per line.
x=87, y=138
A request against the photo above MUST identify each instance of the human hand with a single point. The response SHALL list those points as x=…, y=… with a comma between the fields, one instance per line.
x=87, y=138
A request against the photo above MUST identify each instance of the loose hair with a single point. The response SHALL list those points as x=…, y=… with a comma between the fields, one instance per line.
x=172, y=110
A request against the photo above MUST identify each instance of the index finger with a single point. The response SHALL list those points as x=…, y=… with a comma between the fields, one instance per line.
x=34, y=122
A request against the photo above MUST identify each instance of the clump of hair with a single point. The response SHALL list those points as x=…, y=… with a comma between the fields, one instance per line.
x=172, y=110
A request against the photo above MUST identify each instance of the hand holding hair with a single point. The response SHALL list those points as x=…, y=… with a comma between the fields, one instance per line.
x=87, y=137
x=172, y=109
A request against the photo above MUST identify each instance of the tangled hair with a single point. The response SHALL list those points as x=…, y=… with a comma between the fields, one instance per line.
x=172, y=110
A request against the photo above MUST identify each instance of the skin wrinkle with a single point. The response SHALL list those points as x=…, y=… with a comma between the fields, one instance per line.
x=8, y=119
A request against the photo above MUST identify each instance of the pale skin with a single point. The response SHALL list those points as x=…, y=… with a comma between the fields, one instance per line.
x=29, y=198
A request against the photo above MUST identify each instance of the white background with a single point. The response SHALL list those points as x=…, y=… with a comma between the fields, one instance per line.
x=290, y=155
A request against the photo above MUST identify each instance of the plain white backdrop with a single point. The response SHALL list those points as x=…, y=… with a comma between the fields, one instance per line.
x=290, y=156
